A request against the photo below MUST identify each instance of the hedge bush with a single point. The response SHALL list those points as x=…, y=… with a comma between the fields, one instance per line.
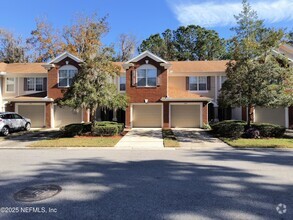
x=269, y=130
x=103, y=128
x=72, y=130
x=108, y=130
x=229, y=128
x=236, y=129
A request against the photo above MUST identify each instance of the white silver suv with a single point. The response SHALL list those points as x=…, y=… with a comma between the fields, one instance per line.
x=10, y=121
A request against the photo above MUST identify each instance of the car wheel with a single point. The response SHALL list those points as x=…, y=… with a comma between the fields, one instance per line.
x=5, y=131
x=27, y=126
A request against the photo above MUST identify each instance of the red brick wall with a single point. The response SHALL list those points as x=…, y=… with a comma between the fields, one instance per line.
x=205, y=119
x=138, y=95
x=48, y=114
x=53, y=90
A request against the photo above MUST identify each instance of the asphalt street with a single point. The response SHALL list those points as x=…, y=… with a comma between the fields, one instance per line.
x=149, y=184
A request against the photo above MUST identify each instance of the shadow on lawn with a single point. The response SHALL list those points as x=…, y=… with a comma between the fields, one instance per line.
x=152, y=189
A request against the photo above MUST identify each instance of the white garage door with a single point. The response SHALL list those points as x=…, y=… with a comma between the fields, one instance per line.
x=36, y=113
x=270, y=115
x=65, y=115
x=185, y=116
x=147, y=116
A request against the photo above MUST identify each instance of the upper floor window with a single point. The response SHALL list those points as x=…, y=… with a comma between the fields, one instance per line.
x=223, y=79
x=198, y=83
x=35, y=84
x=66, y=75
x=147, y=76
x=10, y=84
x=122, y=82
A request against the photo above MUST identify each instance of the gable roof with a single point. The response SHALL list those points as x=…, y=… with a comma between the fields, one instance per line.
x=147, y=54
x=63, y=56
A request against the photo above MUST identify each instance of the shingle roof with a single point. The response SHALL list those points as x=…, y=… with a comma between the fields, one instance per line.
x=198, y=66
x=175, y=93
x=22, y=68
x=286, y=50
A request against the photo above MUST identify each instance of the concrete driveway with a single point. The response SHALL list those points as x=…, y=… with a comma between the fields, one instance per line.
x=142, y=138
x=194, y=138
x=23, y=139
x=148, y=184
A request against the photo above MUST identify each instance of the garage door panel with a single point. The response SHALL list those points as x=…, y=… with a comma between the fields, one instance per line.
x=185, y=116
x=270, y=115
x=147, y=116
x=66, y=115
x=36, y=113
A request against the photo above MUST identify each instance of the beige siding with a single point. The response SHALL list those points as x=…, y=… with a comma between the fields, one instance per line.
x=147, y=116
x=270, y=115
x=19, y=85
x=179, y=82
x=64, y=116
x=36, y=113
x=185, y=116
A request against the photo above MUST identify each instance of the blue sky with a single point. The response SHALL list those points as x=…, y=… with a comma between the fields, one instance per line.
x=142, y=18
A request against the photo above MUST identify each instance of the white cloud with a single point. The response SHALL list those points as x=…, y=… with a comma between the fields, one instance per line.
x=212, y=14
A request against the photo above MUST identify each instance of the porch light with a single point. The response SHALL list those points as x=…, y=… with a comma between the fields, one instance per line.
x=146, y=101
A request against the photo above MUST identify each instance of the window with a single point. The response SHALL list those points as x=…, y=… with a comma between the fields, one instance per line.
x=147, y=76
x=223, y=79
x=10, y=84
x=66, y=75
x=198, y=83
x=34, y=84
x=30, y=84
x=122, y=83
x=39, y=84
x=16, y=116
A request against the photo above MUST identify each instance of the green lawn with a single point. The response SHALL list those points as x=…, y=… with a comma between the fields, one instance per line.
x=260, y=143
x=78, y=142
x=169, y=138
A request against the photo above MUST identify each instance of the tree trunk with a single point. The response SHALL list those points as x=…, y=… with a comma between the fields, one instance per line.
x=92, y=115
x=250, y=114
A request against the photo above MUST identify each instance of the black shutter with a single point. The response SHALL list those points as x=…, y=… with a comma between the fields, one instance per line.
x=187, y=83
x=133, y=78
x=25, y=84
x=45, y=84
x=208, y=83
x=158, y=77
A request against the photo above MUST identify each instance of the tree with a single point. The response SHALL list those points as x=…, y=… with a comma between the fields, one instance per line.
x=290, y=38
x=256, y=77
x=11, y=48
x=186, y=43
x=92, y=87
x=45, y=42
x=83, y=37
x=126, y=47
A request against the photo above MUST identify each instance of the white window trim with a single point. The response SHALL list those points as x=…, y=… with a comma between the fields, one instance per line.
x=67, y=68
x=35, y=84
x=14, y=84
x=199, y=91
x=122, y=91
x=146, y=67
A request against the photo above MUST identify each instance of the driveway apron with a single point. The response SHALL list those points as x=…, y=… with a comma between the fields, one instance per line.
x=190, y=138
x=142, y=138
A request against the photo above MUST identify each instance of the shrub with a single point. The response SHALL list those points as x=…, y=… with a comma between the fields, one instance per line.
x=229, y=128
x=101, y=128
x=72, y=130
x=109, y=130
x=269, y=130
x=252, y=133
